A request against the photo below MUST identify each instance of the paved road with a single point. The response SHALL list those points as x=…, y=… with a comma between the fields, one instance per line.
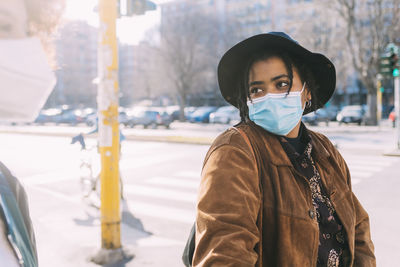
x=161, y=182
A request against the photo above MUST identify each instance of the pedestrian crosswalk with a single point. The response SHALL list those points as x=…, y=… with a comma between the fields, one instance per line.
x=167, y=197
x=363, y=167
x=171, y=197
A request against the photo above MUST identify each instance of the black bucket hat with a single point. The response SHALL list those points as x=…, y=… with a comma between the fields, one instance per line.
x=233, y=62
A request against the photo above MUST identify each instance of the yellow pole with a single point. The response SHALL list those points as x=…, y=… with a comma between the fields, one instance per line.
x=108, y=126
x=379, y=100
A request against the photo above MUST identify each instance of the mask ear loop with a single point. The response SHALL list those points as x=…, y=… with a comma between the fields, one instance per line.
x=308, y=102
x=302, y=89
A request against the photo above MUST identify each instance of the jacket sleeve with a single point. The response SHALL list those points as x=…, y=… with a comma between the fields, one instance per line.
x=22, y=201
x=228, y=207
x=363, y=246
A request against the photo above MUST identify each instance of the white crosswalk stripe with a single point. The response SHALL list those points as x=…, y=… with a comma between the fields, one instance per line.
x=174, y=182
x=162, y=211
x=182, y=187
x=364, y=167
x=160, y=193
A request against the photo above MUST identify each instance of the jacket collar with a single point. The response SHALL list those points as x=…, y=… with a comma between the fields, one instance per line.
x=274, y=147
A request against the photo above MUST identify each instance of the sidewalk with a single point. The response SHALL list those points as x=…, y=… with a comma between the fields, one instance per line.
x=181, y=132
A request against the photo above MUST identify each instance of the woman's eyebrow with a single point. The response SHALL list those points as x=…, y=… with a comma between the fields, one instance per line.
x=272, y=79
x=256, y=83
x=279, y=76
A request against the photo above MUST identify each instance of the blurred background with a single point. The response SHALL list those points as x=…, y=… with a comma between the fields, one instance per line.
x=170, y=110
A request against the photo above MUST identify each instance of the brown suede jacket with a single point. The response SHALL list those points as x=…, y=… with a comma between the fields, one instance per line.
x=231, y=231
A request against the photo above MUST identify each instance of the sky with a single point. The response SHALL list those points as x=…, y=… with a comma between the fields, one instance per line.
x=129, y=30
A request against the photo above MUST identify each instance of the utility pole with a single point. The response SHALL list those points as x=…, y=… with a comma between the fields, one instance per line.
x=107, y=102
x=397, y=108
x=390, y=66
x=379, y=98
x=109, y=144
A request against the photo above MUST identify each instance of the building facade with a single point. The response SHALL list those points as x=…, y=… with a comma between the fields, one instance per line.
x=76, y=59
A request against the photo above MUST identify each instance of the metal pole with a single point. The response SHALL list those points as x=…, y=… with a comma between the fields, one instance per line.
x=107, y=102
x=379, y=101
x=397, y=109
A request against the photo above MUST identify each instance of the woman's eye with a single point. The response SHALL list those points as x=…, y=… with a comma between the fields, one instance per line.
x=282, y=84
x=255, y=90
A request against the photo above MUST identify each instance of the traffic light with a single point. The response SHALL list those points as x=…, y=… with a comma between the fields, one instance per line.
x=389, y=61
x=135, y=7
x=384, y=65
x=393, y=61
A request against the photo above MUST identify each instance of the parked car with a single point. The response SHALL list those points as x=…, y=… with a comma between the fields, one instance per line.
x=201, y=114
x=123, y=118
x=173, y=112
x=150, y=118
x=69, y=116
x=85, y=113
x=188, y=111
x=313, y=118
x=351, y=114
x=48, y=115
x=225, y=114
x=332, y=112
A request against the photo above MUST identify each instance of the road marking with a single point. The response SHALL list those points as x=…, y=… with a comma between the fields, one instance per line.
x=69, y=198
x=160, y=193
x=359, y=174
x=137, y=207
x=50, y=177
x=163, y=212
x=132, y=163
x=365, y=168
x=155, y=241
x=181, y=183
x=189, y=174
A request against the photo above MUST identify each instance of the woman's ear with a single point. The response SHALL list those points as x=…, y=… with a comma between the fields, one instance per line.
x=308, y=94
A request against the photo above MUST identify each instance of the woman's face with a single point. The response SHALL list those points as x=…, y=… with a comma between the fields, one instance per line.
x=270, y=77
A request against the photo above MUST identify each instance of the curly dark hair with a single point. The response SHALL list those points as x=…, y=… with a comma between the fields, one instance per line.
x=290, y=61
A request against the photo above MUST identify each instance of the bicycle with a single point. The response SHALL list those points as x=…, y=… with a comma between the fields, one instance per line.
x=89, y=178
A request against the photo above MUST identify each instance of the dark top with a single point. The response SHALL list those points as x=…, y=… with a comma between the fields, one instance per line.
x=332, y=243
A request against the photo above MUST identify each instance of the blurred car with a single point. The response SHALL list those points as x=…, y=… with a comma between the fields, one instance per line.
x=173, y=112
x=201, y=114
x=47, y=115
x=351, y=114
x=332, y=112
x=69, y=116
x=225, y=115
x=313, y=118
x=188, y=111
x=123, y=118
x=392, y=118
x=149, y=118
x=85, y=113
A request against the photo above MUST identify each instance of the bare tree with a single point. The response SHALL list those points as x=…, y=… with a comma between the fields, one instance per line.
x=369, y=25
x=187, y=44
x=323, y=35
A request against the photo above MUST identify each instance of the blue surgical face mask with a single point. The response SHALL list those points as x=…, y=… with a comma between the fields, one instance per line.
x=277, y=113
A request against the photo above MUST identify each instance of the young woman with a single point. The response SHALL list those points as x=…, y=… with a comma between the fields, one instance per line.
x=284, y=198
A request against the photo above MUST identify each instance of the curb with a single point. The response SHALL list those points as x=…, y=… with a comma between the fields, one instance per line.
x=173, y=139
x=168, y=138
x=393, y=153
